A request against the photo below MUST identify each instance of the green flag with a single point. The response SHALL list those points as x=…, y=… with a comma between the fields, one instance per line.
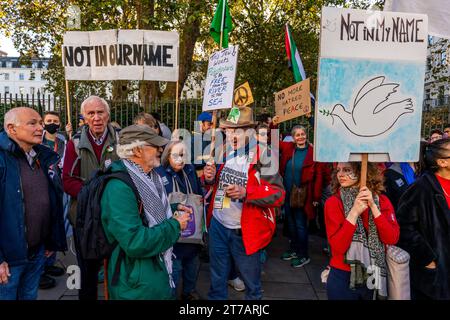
x=221, y=21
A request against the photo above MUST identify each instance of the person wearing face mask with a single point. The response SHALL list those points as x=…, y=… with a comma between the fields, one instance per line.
x=177, y=175
x=52, y=138
x=360, y=222
x=56, y=142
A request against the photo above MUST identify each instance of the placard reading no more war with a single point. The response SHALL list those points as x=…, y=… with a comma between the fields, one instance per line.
x=219, y=85
x=121, y=55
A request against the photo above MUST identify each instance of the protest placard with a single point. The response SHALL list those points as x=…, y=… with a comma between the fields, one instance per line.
x=371, y=79
x=219, y=85
x=293, y=102
x=243, y=95
x=121, y=55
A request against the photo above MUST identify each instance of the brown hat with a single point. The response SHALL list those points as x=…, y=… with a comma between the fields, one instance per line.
x=245, y=119
x=141, y=132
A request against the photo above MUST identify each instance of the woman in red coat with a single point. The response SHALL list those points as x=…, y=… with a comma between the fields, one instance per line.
x=359, y=223
x=298, y=168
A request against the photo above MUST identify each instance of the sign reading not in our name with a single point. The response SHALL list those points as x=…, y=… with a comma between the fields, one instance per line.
x=121, y=55
x=293, y=102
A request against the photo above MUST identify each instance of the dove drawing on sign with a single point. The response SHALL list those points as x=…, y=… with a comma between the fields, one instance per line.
x=375, y=109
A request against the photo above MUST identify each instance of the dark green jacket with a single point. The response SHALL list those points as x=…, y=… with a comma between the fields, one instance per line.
x=143, y=274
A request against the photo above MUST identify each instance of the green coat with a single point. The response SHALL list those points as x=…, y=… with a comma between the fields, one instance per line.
x=143, y=274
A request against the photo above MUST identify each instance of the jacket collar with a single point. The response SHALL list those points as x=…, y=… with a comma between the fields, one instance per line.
x=439, y=196
x=44, y=154
x=85, y=142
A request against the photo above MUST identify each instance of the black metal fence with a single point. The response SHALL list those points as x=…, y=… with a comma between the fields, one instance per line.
x=124, y=111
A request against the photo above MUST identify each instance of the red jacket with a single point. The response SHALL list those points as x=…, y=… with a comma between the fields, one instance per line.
x=258, y=221
x=340, y=231
x=311, y=175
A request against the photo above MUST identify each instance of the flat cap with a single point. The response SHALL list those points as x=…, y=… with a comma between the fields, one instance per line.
x=141, y=132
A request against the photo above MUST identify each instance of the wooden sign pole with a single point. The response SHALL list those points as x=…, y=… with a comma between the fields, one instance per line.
x=364, y=161
x=176, y=106
x=69, y=113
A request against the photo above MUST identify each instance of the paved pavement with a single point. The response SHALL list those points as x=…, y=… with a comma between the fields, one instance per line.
x=280, y=281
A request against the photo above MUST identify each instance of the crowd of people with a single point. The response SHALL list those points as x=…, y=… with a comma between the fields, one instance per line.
x=165, y=202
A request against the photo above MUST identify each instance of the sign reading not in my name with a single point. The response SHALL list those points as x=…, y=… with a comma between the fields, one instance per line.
x=293, y=102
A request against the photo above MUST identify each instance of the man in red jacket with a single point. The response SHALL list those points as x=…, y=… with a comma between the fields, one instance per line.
x=241, y=215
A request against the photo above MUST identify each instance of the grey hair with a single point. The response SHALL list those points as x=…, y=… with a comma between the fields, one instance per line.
x=298, y=127
x=92, y=98
x=10, y=118
x=125, y=151
x=166, y=153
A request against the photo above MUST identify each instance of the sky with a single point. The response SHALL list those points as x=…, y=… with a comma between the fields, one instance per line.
x=7, y=46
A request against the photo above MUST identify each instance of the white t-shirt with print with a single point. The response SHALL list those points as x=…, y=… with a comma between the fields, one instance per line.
x=226, y=210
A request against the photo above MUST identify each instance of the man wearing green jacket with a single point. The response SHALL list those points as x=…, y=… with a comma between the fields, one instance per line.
x=146, y=267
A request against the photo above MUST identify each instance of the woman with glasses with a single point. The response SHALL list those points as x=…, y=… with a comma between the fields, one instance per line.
x=178, y=176
x=360, y=222
x=424, y=218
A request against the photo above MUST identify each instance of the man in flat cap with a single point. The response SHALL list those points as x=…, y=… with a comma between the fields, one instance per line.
x=145, y=247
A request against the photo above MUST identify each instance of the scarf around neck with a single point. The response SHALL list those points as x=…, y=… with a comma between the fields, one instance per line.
x=366, y=253
x=155, y=203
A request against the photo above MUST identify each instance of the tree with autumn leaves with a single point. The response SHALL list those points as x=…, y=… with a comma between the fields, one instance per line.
x=38, y=26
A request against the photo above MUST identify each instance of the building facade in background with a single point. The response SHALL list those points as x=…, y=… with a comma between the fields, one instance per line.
x=21, y=79
x=437, y=75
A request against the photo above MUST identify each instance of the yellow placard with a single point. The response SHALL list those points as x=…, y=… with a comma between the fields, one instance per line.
x=243, y=95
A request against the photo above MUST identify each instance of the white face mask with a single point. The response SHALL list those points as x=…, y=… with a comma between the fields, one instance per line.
x=179, y=161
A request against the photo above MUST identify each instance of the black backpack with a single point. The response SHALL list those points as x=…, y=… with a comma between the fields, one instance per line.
x=90, y=235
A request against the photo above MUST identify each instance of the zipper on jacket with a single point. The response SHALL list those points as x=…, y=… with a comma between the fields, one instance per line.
x=24, y=214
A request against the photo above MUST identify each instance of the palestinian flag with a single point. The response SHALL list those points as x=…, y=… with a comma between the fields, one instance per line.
x=294, y=60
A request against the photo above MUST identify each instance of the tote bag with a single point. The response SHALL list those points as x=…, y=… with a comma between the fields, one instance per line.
x=194, y=230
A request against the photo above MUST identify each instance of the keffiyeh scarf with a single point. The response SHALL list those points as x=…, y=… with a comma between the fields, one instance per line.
x=155, y=203
x=366, y=252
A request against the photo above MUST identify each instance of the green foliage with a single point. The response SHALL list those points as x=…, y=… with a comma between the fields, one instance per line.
x=37, y=26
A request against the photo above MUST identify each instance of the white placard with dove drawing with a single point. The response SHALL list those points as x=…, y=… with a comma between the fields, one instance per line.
x=370, y=89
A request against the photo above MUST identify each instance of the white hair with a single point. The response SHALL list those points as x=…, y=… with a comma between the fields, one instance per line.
x=125, y=151
x=10, y=118
x=92, y=98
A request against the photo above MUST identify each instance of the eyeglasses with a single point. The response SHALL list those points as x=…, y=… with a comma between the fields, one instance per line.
x=177, y=155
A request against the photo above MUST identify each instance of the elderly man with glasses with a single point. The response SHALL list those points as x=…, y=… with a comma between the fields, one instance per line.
x=145, y=236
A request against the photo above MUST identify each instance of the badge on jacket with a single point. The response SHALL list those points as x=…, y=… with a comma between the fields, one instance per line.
x=399, y=182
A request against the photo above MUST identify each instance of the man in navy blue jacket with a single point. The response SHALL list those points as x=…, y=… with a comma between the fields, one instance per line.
x=31, y=211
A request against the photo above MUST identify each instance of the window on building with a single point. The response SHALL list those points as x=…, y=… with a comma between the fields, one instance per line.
x=9, y=64
x=32, y=75
x=443, y=58
x=428, y=63
x=6, y=90
x=21, y=76
x=6, y=76
x=21, y=90
x=34, y=64
x=32, y=90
